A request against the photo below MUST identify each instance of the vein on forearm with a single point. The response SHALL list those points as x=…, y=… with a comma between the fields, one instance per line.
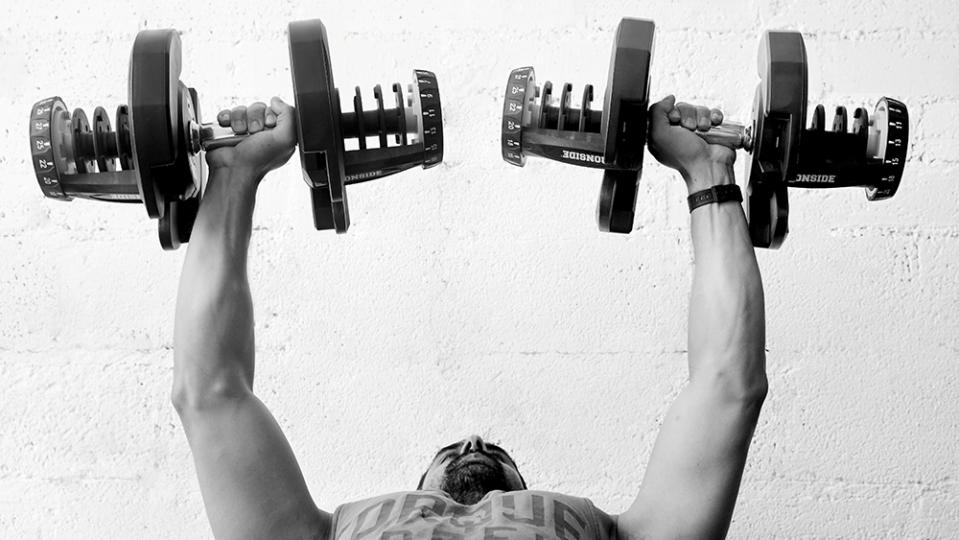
x=214, y=346
x=727, y=319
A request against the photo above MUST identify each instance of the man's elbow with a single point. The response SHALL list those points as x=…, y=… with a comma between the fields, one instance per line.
x=196, y=394
x=734, y=385
x=754, y=391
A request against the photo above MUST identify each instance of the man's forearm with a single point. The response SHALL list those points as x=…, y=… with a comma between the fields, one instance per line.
x=213, y=337
x=726, y=318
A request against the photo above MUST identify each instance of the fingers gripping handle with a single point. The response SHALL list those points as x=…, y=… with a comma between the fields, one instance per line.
x=212, y=136
x=729, y=134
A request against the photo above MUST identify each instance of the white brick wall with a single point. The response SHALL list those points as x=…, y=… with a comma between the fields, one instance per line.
x=480, y=297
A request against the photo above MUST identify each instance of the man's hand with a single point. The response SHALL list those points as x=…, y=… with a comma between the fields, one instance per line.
x=672, y=141
x=271, y=142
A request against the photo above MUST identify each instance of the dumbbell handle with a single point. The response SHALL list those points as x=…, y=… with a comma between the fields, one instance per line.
x=729, y=134
x=212, y=136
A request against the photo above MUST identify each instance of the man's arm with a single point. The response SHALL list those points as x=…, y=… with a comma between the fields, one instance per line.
x=251, y=484
x=693, y=475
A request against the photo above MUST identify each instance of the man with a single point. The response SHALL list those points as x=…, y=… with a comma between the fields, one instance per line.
x=253, y=488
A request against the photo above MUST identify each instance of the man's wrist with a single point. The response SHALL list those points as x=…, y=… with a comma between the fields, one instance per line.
x=707, y=174
x=236, y=177
x=246, y=176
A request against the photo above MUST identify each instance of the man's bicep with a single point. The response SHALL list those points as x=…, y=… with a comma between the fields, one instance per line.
x=251, y=483
x=694, y=472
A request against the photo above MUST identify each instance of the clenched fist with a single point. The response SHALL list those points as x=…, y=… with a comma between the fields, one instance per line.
x=673, y=141
x=272, y=131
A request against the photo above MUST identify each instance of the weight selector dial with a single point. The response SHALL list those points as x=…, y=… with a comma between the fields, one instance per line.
x=888, y=142
x=517, y=113
x=50, y=146
x=427, y=91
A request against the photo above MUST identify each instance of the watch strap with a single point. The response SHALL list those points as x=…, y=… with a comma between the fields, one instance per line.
x=715, y=194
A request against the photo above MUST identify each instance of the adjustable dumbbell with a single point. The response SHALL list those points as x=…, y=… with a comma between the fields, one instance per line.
x=783, y=152
x=612, y=139
x=154, y=155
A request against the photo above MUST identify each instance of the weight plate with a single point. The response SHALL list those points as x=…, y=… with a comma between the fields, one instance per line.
x=860, y=124
x=625, y=103
x=103, y=149
x=616, y=208
x=544, y=119
x=624, y=124
x=840, y=122
x=190, y=185
x=176, y=225
x=124, y=145
x=187, y=211
x=155, y=115
x=82, y=142
x=402, y=132
x=517, y=113
x=584, y=111
x=765, y=203
x=320, y=138
x=49, y=133
x=358, y=118
x=779, y=115
x=380, y=115
x=818, y=119
x=167, y=227
x=564, y=102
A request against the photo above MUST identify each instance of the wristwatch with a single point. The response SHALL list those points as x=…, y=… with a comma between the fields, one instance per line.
x=715, y=194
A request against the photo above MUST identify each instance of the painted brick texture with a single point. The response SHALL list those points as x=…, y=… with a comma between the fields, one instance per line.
x=479, y=297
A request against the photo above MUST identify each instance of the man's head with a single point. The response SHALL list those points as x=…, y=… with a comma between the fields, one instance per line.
x=469, y=469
